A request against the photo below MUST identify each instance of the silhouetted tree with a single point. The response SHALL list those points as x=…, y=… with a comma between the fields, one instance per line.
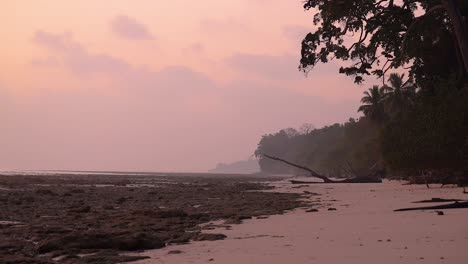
x=378, y=35
x=373, y=104
x=399, y=93
x=329, y=150
x=423, y=128
x=431, y=134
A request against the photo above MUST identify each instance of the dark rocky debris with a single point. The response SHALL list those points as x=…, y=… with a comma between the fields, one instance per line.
x=96, y=219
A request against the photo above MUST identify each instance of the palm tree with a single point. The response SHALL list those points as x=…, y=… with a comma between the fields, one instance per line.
x=399, y=93
x=373, y=104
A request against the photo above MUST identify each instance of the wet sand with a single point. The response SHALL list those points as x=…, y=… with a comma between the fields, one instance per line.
x=363, y=229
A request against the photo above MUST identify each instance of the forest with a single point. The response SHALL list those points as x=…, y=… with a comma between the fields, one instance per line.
x=414, y=123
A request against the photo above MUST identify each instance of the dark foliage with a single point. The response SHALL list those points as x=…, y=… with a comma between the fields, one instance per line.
x=329, y=150
x=431, y=134
x=379, y=35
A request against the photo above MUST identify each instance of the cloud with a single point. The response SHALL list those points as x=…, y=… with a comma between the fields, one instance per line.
x=73, y=56
x=173, y=119
x=57, y=42
x=129, y=28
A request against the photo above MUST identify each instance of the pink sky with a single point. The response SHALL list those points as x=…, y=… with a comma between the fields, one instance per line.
x=156, y=85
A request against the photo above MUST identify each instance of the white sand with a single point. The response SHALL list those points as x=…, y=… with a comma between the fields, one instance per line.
x=364, y=229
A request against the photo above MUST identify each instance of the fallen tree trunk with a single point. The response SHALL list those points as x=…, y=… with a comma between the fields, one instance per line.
x=312, y=173
x=455, y=205
x=358, y=179
x=439, y=200
x=351, y=180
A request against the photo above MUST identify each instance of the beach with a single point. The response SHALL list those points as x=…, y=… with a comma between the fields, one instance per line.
x=184, y=218
x=100, y=217
x=363, y=229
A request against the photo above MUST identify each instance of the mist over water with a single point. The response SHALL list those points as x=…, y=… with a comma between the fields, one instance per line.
x=121, y=89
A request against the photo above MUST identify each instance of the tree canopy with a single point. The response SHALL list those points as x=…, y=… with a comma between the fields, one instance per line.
x=427, y=37
x=411, y=124
x=373, y=104
x=329, y=150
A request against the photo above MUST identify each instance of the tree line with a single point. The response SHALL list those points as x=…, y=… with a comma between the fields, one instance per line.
x=406, y=130
x=414, y=126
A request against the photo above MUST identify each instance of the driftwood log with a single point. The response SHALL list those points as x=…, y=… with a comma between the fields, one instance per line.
x=455, y=205
x=357, y=179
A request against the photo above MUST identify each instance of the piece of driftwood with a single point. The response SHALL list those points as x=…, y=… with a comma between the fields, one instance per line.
x=439, y=200
x=301, y=182
x=358, y=179
x=351, y=180
x=455, y=205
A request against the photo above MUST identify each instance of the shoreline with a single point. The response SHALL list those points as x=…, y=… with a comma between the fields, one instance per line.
x=360, y=227
x=96, y=219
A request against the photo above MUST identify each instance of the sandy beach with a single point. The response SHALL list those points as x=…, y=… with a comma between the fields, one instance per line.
x=363, y=229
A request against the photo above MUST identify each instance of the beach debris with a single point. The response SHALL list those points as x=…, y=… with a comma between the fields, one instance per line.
x=90, y=220
x=236, y=220
x=455, y=205
x=45, y=192
x=250, y=237
x=174, y=252
x=300, y=186
x=440, y=212
x=301, y=182
x=209, y=237
x=313, y=210
x=439, y=200
x=108, y=207
x=121, y=200
x=101, y=240
x=82, y=209
x=10, y=223
x=370, y=178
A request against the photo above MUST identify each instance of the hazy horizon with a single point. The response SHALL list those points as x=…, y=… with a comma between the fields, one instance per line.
x=156, y=86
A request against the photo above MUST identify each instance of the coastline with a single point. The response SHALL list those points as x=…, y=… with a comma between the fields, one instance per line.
x=75, y=218
x=363, y=229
